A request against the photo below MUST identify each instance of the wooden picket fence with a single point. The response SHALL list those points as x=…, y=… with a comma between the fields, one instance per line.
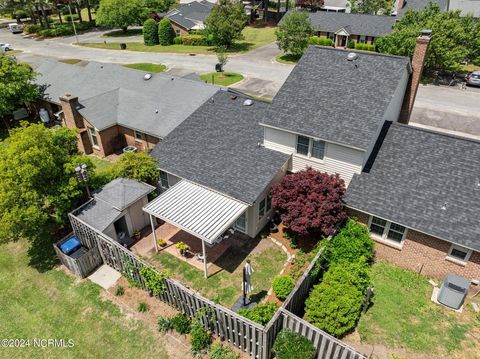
x=250, y=337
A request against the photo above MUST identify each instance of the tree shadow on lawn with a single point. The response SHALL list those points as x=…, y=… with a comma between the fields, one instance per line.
x=121, y=33
x=235, y=255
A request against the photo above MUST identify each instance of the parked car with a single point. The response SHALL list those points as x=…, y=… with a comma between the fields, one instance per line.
x=473, y=78
x=15, y=28
x=5, y=47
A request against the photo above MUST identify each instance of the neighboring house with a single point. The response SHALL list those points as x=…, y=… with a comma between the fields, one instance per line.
x=420, y=197
x=336, y=6
x=189, y=16
x=342, y=27
x=401, y=5
x=112, y=106
x=116, y=209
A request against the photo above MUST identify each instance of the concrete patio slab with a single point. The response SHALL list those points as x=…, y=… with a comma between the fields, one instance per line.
x=105, y=276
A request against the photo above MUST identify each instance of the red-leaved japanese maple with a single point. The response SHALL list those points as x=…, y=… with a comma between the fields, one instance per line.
x=310, y=201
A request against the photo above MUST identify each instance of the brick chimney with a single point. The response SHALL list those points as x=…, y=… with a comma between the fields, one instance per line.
x=418, y=61
x=73, y=119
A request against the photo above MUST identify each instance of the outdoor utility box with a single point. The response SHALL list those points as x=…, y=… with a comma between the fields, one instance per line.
x=453, y=291
x=69, y=245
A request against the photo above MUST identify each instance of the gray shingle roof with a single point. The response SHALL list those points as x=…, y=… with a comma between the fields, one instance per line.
x=191, y=14
x=109, y=202
x=414, y=174
x=467, y=7
x=217, y=146
x=358, y=24
x=327, y=97
x=420, y=4
x=111, y=94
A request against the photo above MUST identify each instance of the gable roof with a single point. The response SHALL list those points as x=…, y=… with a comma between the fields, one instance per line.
x=414, y=174
x=192, y=15
x=419, y=5
x=111, y=94
x=108, y=203
x=217, y=147
x=328, y=97
x=357, y=24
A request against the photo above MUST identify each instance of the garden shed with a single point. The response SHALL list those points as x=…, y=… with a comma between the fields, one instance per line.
x=116, y=209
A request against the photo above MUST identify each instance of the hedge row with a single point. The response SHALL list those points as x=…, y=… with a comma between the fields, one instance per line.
x=365, y=47
x=335, y=304
x=322, y=41
x=58, y=30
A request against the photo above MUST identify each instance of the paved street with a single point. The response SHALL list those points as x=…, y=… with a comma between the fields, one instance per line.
x=449, y=109
x=255, y=66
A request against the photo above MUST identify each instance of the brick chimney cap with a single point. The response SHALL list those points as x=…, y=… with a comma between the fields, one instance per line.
x=426, y=32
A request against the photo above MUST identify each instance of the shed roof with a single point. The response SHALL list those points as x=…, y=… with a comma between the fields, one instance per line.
x=111, y=94
x=337, y=100
x=417, y=172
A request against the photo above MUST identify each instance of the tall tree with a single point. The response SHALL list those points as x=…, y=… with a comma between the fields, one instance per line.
x=138, y=166
x=120, y=13
x=37, y=180
x=17, y=85
x=312, y=5
x=454, y=38
x=226, y=22
x=372, y=7
x=293, y=33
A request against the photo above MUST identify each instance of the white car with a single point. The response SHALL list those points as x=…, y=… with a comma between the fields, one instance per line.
x=5, y=47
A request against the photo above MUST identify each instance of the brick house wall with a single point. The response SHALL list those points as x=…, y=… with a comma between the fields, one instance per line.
x=179, y=31
x=421, y=252
x=144, y=145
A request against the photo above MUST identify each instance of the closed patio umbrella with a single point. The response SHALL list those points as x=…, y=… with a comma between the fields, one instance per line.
x=247, y=280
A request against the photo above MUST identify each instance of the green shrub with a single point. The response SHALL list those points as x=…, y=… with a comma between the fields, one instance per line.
x=220, y=351
x=32, y=29
x=20, y=14
x=142, y=307
x=177, y=40
x=119, y=291
x=261, y=313
x=150, y=32
x=282, y=286
x=321, y=41
x=351, y=44
x=350, y=244
x=194, y=40
x=365, y=47
x=181, y=323
x=164, y=324
x=154, y=281
x=290, y=345
x=70, y=17
x=166, y=34
x=200, y=338
x=334, y=305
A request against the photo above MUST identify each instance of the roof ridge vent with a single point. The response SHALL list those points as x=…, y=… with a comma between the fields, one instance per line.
x=147, y=76
x=352, y=56
x=248, y=102
x=444, y=207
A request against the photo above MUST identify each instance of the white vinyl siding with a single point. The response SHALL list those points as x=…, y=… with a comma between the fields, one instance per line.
x=337, y=158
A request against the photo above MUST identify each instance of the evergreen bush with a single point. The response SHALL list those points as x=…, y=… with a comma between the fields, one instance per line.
x=166, y=34
x=150, y=32
x=290, y=345
x=282, y=286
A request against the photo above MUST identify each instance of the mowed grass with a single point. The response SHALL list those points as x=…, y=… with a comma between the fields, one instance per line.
x=225, y=287
x=102, y=166
x=253, y=38
x=147, y=67
x=402, y=315
x=287, y=59
x=221, y=78
x=55, y=305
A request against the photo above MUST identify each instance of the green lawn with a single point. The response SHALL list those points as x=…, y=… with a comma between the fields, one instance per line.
x=225, y=287
x=55, y=305
x=102, y=166
x=469, y=68
x=121, y=33
x=253, y=38
x=221, y=78
x=287, y=59
x=147, y=67
x=402, y=315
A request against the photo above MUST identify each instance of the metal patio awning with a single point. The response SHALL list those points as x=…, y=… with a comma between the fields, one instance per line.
x=197, y=210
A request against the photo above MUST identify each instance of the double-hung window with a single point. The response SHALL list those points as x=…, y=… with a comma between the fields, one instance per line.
x=164, y=180
x=310, y=147
x=387, y=231
x=459, y=253
x=363, y=39
x=93, y=136
x=269, y=202
x=261, y=209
